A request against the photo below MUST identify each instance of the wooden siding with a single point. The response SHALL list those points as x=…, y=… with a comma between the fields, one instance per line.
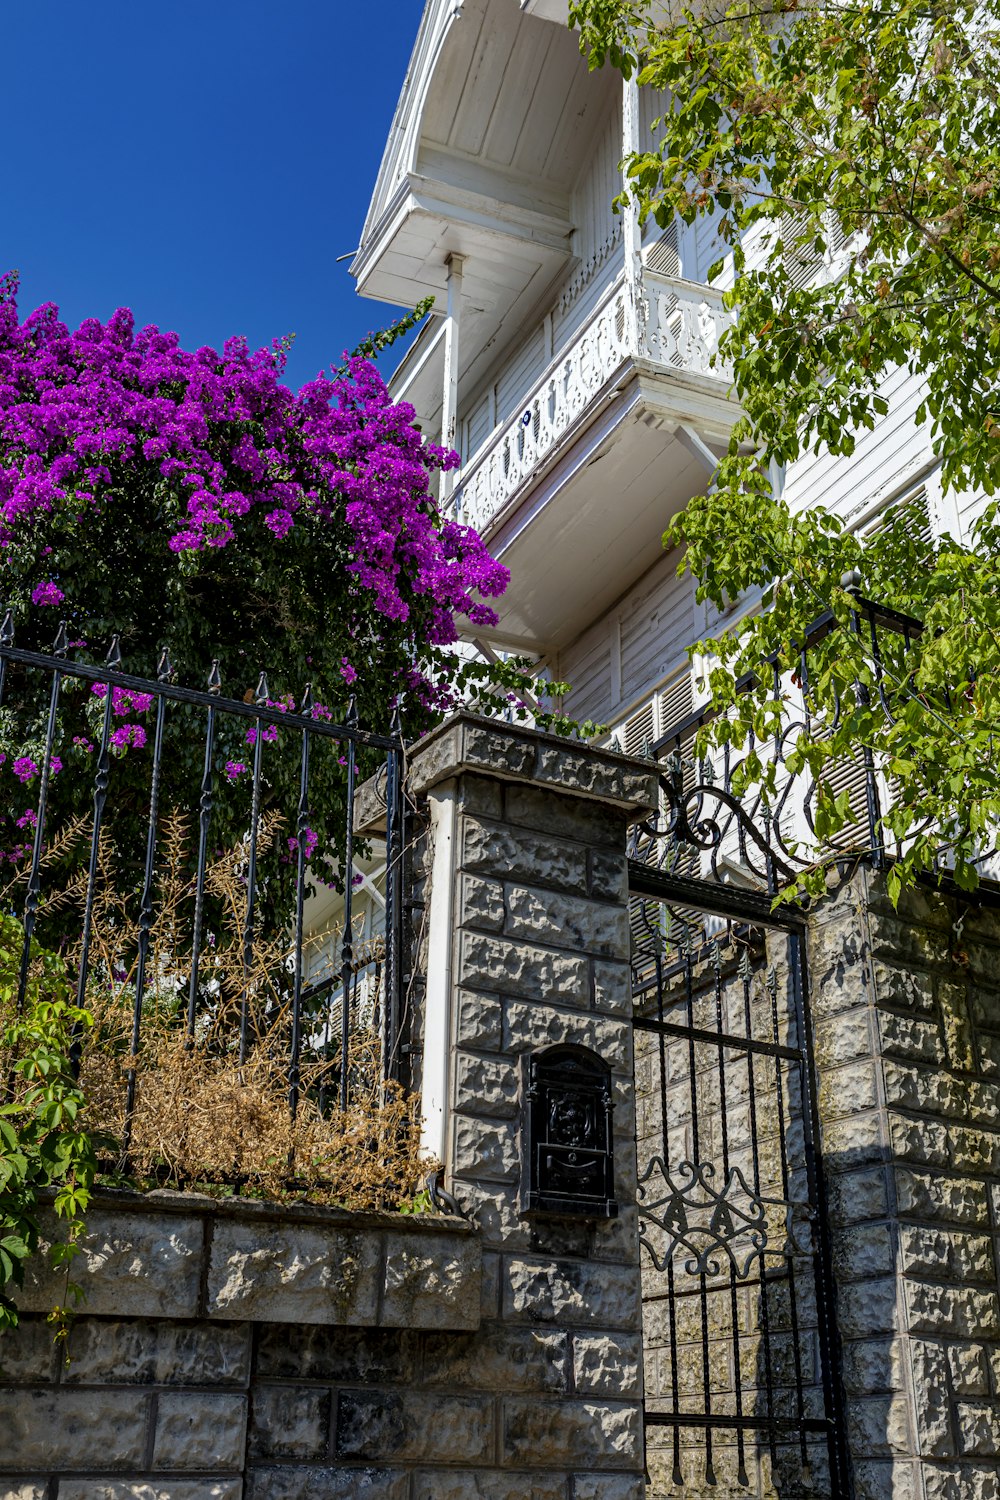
x=633, y=648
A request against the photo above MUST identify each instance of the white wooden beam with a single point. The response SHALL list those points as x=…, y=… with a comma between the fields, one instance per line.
x=452, y=331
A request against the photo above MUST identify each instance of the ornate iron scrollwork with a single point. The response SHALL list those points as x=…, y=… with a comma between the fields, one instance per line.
x=713, y=1223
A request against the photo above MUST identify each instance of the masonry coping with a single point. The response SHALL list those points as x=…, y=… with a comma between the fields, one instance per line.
x=508, y=752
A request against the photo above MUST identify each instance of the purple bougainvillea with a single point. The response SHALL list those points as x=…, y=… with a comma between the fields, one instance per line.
x=81, y=411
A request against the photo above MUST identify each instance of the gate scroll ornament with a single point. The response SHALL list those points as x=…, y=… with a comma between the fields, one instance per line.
x=728, y=1222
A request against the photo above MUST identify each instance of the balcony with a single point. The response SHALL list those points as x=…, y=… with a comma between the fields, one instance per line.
x=679, y=331
x=633, y=409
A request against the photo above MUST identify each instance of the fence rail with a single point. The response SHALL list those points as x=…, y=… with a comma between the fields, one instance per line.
x=169, y=842
x=707, y=828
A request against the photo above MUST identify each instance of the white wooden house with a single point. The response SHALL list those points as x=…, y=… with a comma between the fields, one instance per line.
x=568, y=355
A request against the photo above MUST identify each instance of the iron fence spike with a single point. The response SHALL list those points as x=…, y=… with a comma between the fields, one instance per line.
x=215, y=677
x=164, y=667
x=114, y=656
x=352, y=711
x=7, y=629
x=305, y=706
x=61, y=644
x=263, y=691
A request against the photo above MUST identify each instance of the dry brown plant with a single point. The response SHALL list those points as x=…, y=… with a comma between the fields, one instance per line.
x=202, y=1115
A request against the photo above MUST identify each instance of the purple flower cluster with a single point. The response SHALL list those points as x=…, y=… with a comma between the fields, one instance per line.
x=82, y=413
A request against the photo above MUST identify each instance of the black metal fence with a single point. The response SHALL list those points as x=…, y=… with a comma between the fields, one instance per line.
x=715, y=823
x=171, y=844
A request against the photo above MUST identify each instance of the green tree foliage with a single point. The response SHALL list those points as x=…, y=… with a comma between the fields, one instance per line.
x=43, y=1141
x=860, y=143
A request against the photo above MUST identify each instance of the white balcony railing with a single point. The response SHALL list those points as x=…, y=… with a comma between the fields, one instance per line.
x=680, y=327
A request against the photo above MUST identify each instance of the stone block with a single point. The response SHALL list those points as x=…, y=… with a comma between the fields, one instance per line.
x=414, y=1425
x=628, y=783
x=487, y=1484
x=865, y=1308
x=909, y=992
x=922, y=1142
x=151, y=1352
x=843, y=1040
x=879, y=1425
x=978, y=1426
x=608, y=1487
x=195, y=1430
x=856, y=1195
x=290, y=1421
x=528, y=1025
x=910, y=1037
x=173, y=1488
x=493, y=850
x=568, y=1293
x=612, y=986
x=339, y=1482
x=932, y=1195
x=933, y=1407
x=951, y=1254
x=498, y=1359
x=478, y=1021
x=486, y=1086
x=131, y=1264
x=967, y=1312
x=970, y=1371
x=24, y=1489
x=294, y=1273
x=489, y=1302
x=586, y=1434
x=608, y=876
x=64, y=1429
x=984, y=1006
x=864, y=1250
x=568, y=922
x=853, y=1139
x=873, y=1367
x=607, y=1364
x=480, y=794
x=481, y=904
x=552, y=812
x=28, y=1352
x=884, y=1479
x=431, y=1281
x=847, y=1090
x=486, y=1149
x=491, y=963
x=345, y=1356
x=965, y=1482
x=466, y=744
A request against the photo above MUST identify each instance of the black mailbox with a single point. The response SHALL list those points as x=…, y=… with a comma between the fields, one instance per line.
x=567, y=1163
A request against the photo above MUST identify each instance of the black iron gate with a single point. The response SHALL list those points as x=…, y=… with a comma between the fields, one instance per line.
x=742, y=1389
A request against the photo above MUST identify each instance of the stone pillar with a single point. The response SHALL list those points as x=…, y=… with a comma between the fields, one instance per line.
x=526, y=944
x=907, y=1013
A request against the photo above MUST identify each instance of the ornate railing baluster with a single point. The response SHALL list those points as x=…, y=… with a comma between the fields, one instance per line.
x=301, y=859
x=113, y=661
x=347, y=945
x=59, y=650
x=260, y=698
x=205, y=802
x=164, y=671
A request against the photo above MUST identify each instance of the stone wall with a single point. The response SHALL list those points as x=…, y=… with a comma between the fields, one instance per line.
x=249, y=1352
x=907, y=1009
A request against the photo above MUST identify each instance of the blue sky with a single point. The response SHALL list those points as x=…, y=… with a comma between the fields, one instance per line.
x=203, y=162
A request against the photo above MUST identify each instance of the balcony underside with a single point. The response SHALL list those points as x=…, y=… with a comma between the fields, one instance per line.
x=580, y=531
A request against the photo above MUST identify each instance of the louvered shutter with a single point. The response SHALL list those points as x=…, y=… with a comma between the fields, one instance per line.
x=917, y=504
x=662, y=255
